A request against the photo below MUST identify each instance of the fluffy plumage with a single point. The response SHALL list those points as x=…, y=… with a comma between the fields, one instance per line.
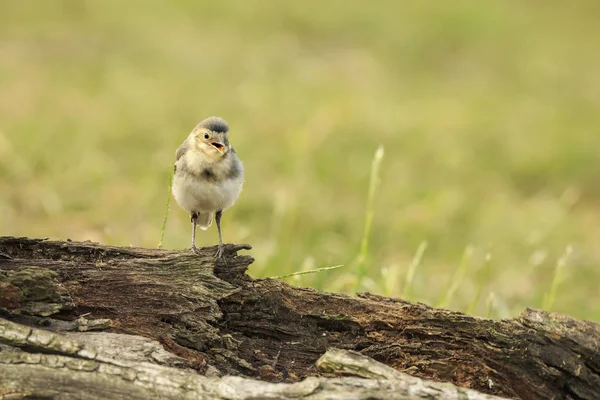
x=208, y=176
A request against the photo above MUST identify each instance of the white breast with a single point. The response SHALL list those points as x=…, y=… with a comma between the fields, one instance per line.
x=197, y=195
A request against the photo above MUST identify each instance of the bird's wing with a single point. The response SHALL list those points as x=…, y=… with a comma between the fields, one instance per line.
x=181, y=150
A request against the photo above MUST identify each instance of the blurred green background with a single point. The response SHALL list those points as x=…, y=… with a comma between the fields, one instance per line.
x=488, y=113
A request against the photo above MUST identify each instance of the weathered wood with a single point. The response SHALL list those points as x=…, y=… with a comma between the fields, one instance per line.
x=217, y=320
x=59, y=367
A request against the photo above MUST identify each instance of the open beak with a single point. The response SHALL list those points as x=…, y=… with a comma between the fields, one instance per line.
x=219, y=146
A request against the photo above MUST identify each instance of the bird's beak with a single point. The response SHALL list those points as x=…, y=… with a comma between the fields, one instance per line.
x=219, y=146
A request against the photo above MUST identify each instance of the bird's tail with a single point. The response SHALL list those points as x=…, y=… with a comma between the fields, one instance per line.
x=204, y=220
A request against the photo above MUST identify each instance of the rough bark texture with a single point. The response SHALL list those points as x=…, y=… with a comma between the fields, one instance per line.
x=59, y=367
x=213, y=320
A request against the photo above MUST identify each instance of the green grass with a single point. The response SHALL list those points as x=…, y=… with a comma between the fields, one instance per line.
x=364, y=244
x=312, y=271
x=481, y=284
x=488, y=113
x=559, y=276
x=457, y=278
x=410, y=273
x=167, y=210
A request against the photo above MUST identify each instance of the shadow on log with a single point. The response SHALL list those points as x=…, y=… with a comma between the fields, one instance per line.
x=85, y=314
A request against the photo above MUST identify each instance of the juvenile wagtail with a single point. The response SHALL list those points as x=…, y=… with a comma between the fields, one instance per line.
x=208, y=176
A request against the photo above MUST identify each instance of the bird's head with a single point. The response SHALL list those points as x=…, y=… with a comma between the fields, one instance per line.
x=210, y=138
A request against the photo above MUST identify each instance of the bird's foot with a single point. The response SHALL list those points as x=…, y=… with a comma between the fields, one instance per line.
x=195, y=250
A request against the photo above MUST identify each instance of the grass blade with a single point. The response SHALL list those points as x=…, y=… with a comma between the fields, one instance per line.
x=364, y=245
x=559, y=275
x=312, y=271
x=458, y=277
x=482, y=281
x=167, y=209
x=412, y=269
x=490, y=305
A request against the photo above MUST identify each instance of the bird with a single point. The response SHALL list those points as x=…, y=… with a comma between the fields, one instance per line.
x=208, y=176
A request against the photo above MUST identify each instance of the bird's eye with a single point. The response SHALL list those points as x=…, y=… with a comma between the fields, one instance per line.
x=206, y=136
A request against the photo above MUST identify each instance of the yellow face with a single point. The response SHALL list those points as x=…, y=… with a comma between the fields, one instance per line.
x=212, y=144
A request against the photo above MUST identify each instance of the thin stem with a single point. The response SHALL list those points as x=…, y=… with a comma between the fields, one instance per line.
x=167, y=209
x=312, y=271
x=557, y=279
x=412, y=269
x=364, y=246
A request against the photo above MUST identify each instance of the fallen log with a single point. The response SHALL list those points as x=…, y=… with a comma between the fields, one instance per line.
x=177, y=314
x=60, y=367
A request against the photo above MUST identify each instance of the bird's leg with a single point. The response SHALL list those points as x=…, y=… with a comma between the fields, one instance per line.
x=194, y=219
x=221, y=250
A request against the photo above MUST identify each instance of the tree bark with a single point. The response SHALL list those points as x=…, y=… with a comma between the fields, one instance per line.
x=83, y=320
x=59, y=367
